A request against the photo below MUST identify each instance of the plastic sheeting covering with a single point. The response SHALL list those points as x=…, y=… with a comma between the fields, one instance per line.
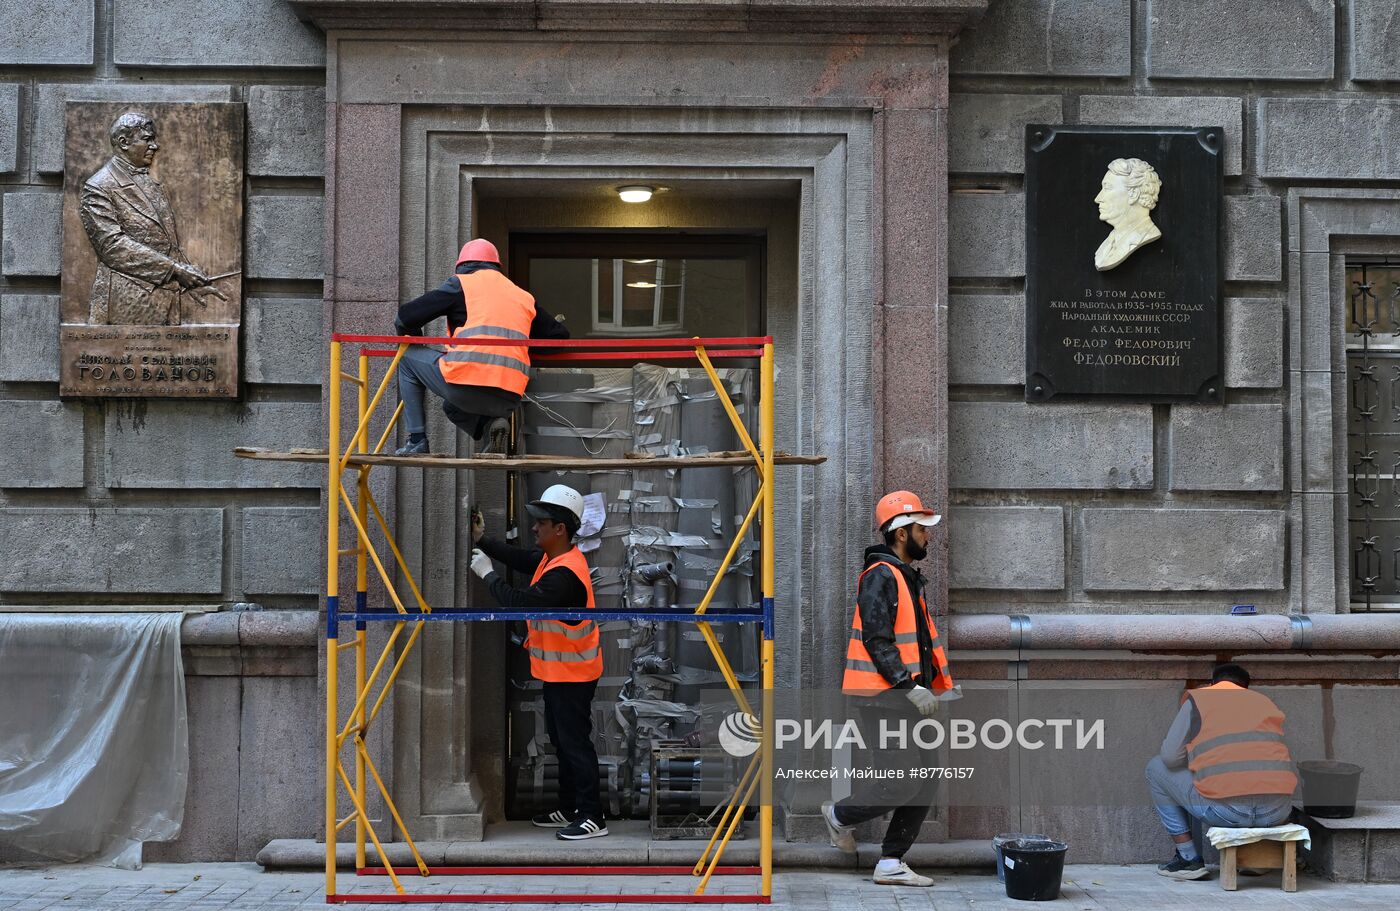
x=1233, y=838
x=94, y=738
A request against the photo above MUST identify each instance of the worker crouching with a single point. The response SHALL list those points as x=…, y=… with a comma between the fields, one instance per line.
x=480, y=385
x=565, y=655
x=895, y=672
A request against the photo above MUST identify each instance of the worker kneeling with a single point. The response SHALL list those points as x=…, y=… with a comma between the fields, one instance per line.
x=1222, y=762
x=565, y=655
x=895, y=671
x=480, y=385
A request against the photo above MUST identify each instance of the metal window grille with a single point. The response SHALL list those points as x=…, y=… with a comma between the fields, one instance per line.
x=1373, y=434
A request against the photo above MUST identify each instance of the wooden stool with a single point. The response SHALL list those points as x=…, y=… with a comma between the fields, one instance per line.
x=1260, y=855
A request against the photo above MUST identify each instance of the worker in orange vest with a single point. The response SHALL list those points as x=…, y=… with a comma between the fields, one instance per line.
x=896, y=671
x=1223, y=762
x=480, y=385
x=565, y=654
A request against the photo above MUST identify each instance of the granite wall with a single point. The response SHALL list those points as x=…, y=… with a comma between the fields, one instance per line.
x=120, y=505
x=1120, y=508
x=1064, y=512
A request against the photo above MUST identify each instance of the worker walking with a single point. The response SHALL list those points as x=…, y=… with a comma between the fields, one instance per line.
x=895, y=669
x=480, y=385
x=1223, y=762
x=566, y=655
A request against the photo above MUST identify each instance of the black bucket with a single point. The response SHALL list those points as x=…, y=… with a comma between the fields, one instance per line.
x=1329, y=787
x=1033, y=868
x=1002, y=839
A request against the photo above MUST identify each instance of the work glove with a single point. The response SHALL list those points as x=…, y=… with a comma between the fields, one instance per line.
x=922, y=697
x=482, y=566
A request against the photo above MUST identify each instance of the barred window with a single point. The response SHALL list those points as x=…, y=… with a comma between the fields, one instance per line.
x=1373, y=434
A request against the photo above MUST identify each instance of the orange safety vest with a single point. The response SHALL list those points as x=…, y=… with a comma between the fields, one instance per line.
x=563, y=651
x=1239, y=750
x=861, y=677
x=496, y=308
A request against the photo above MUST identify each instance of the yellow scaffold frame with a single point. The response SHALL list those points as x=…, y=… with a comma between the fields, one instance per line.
x=358, y=457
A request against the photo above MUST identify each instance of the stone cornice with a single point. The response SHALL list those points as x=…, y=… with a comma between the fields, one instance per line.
x=871, y=17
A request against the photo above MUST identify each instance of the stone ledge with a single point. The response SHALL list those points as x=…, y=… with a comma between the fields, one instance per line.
x=272, y=628
x=274, y=643
x=707, y=16
x=1356, y=850
x=520, y=843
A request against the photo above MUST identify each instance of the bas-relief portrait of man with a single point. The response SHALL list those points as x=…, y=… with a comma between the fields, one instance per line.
x=142, y=269
x=1126, y=199
x=152, y=281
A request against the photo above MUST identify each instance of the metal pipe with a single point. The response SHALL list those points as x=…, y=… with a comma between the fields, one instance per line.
x=360, y=809
x=1176, y=634
x=364, y=422
x=361, y=593
x=651, y=573
x=765, y=811
x=332, y=746
x=362, y=753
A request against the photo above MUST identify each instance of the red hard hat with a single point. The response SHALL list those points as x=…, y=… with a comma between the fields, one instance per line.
x=479, y=250
x=903, y=503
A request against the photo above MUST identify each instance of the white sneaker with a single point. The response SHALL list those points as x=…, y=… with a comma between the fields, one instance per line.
x=843, y=837
x=897, y=873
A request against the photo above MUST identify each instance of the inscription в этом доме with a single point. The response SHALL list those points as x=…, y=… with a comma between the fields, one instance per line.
x=1134, y=315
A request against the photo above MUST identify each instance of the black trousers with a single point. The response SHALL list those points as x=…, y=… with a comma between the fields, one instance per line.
x=910, y=798
x=568, y=719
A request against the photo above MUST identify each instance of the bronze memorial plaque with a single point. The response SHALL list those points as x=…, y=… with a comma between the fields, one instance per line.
x=1123, y=275
x=152, y=292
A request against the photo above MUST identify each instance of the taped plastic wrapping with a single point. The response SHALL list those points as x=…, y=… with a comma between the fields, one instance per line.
x=664, y=535
x=94, y=740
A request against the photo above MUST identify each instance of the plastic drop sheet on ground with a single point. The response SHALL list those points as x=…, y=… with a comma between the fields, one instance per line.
x=94, y=743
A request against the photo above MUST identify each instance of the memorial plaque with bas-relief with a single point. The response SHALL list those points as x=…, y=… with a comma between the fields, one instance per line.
x=1123, y=263
x=152, y=287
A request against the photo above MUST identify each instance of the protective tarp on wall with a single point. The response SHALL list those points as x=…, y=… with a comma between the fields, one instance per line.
x=94, y=738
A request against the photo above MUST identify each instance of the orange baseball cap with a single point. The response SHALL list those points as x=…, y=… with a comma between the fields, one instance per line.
x=901, y=508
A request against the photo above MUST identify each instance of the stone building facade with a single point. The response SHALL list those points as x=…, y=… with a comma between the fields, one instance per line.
x=1091, y=548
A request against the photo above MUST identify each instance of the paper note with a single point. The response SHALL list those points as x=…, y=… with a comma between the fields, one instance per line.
x=595, y=511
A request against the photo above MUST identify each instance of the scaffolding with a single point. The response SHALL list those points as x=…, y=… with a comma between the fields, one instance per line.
x=344, y=457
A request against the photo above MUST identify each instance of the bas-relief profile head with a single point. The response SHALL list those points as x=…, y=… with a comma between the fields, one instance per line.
x=1126, y=196
x=1129, y=183
x=133, y=136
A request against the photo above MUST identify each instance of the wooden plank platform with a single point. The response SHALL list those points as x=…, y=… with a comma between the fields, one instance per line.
x=631, y=462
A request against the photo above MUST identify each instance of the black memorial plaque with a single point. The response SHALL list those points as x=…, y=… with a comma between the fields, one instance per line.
x=1111, y=309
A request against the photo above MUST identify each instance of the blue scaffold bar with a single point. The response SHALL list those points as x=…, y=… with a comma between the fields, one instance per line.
x=332, y=617
x=768, y=618
x=674, y=616
x=361, y=605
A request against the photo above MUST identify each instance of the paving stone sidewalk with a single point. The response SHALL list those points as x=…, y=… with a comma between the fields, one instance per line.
x=209, y=887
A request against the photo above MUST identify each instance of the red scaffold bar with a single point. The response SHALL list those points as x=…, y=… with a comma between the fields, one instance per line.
x=548, y=898
x=559, y=871
x=720, y=342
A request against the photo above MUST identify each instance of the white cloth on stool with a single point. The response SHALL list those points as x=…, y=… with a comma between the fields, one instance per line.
x=1221, y=837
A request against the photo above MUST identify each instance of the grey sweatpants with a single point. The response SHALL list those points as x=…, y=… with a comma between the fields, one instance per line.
x=469, y=407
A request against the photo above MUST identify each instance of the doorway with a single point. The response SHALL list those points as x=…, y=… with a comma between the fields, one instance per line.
x=664, y=533
x=627, y=284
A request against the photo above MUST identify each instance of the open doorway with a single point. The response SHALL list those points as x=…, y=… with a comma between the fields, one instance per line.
x=628, y=284
x=664, y=532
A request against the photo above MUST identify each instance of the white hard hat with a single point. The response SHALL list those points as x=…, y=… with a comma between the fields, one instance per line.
x=560, y=496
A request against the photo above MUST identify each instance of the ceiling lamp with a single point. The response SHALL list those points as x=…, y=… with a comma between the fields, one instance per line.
x=635, y=193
